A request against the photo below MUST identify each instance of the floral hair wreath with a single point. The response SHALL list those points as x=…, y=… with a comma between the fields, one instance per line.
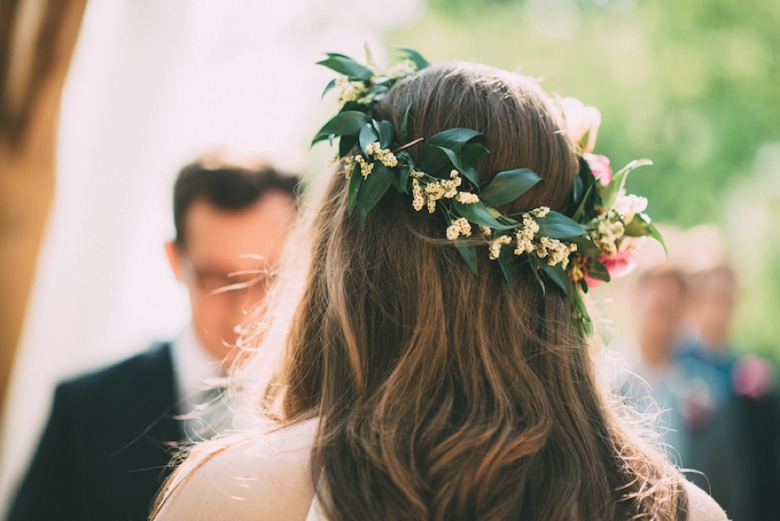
x=588, y=242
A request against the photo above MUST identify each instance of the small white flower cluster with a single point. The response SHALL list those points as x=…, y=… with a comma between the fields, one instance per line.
x=427, y=195
x=629, y=205
x=349, y=91
x=606, y=231
x=348, y=163
x=555, y=251
x=459, y=226
x=494, y=246
x=467, y=198
x=382, y=154
x=365, y=167
x=401, y=69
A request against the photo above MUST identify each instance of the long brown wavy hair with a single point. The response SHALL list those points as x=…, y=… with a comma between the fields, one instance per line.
x=442, y=395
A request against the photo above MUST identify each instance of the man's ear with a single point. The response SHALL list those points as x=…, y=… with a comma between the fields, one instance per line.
x=174, y=258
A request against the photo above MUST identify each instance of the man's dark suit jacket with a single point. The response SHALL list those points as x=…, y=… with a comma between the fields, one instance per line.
x=105, y=450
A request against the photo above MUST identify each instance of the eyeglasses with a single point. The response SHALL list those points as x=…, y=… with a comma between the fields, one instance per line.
x=211, y=282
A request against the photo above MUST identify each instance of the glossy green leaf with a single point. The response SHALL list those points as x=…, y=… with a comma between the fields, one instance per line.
x=586, y=246
x=534, y=262
x=386, y=133
x=508, y=186
x=329, y=86
x=619, y=182
x=368, y=135
x=598, y=271
x=346, y=66
x=346, y=144
x=348, y=123
x=433, y=160
x=372, y=189
x=557, y=226
x=415, y=56
x=640, y=226
x=478, y=213
x=354, y=187
x=469, y=254
x=405, y=126
x=506, y=259
x=557, y=275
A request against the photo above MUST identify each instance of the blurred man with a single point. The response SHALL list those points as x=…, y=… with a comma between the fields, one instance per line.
x=105, y=450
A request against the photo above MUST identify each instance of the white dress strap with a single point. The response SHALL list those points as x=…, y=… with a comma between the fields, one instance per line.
x=315, y=513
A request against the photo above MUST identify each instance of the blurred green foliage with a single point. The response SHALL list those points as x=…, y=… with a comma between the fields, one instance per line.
x=693, y=85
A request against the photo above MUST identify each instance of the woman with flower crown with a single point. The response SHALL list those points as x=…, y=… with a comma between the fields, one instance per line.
x=430, y=350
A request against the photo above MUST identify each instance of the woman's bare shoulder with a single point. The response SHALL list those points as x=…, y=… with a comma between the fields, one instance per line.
x=701, y=506
x=246, y=478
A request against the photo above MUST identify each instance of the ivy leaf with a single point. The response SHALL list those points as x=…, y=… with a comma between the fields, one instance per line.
x=557, y=275
x=599, y=271
x=386, y=133
x=619, y=182
x=367, y=137
x=509, y=185
x=372, y=189
x=354, y=187
x=347, y=123
x=469, y=254
x=506, y=259
x=557, y=226
x=433, y=160
x=478, y=213
x=346, y=66
x=413, y=55
x=586, y=246
x=329, y=86
x=640, y=226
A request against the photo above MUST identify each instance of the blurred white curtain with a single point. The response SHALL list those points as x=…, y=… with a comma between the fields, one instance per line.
x=154, y=84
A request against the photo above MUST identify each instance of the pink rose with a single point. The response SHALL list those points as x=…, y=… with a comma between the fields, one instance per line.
x=582, y=123
x=617, y=265
x=599, y=165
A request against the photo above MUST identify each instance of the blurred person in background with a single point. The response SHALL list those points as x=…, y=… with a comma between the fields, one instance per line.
x=656, y=382
x=742, y=392
x=105, y=449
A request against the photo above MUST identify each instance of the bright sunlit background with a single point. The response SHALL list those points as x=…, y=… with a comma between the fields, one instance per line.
x=692, y=84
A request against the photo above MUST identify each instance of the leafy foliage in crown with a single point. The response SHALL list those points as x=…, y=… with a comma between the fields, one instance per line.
x=587, y=243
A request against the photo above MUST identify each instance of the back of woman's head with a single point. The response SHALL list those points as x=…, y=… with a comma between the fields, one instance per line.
x=445, y=395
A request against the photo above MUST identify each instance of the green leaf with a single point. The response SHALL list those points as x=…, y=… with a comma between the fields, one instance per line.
x=581, y=317
x=348, y=123
x=346, y=66
x=557, y=226
x=478, y=213
x=585, y=246
x=329, y=86
x=386, y=133
x=640, y=226
x=534, y=262
x=401, y=178
x=599, y=271
x=469, y=254
x=619, y=182
x=346, y=144
x=469, y=172
x=354, y=186
x=405, y=125
x=506, y=259
x=557, y=275
x=433, y=160
x=372, y=189
x=509, y=185
x=367, y=137
x=413, y=55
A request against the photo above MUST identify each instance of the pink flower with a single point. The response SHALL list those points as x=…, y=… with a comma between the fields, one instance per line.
x=582, y=123
x=617, y=265
x=599, y=165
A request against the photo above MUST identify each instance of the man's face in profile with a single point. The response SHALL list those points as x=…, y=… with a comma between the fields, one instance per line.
x=229, y=248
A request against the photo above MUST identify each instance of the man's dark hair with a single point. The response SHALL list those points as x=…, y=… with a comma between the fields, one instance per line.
x=225, y=187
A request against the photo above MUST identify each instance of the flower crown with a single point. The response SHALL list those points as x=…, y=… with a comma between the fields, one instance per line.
x=588, y=242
